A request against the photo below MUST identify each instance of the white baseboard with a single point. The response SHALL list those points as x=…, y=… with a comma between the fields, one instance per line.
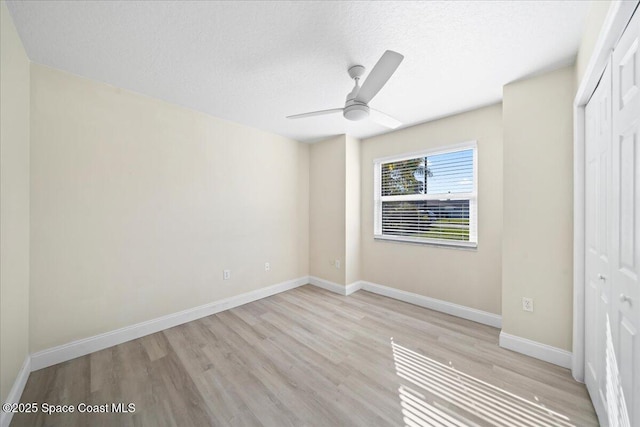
x=545, y=352
x=328, y=285
x=62, y=353
x=353, y=287
x=335, y=287
x=468, y=313
x=16, y=391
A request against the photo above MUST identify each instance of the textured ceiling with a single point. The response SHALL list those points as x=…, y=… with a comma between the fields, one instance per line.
x=256, y=62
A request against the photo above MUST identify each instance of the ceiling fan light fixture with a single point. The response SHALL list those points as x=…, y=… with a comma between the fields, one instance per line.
x=356, y=112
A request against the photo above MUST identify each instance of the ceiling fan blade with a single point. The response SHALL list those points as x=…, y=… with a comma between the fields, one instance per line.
x=379, y=75
x=315, y=113
x=383, y=119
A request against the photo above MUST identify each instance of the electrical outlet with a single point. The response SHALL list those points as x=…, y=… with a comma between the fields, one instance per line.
x=267, y=266
x=226, y=274
x=337, y=263
x=527, y=304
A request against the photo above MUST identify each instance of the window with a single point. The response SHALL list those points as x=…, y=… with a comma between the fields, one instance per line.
x=428, y=197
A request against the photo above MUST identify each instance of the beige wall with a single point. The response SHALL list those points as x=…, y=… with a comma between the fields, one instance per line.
x=595, y=18
x=538, y=215
x=302, y=215
x=466, y=277
x=352, y=210
x=14, y=203
x=327, y=209
x=138, y=205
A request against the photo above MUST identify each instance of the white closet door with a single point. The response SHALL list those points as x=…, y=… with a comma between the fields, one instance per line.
x=598, y=238
x=624, y=391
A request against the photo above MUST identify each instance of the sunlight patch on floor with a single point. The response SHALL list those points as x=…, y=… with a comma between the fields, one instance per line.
x=441, y=394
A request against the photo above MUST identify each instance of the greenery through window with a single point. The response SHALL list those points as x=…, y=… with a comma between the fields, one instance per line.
x=429, y=197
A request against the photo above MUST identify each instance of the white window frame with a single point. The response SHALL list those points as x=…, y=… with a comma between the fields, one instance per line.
x=472, y=197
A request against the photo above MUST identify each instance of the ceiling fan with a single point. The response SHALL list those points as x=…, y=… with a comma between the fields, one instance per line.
x=357, y=104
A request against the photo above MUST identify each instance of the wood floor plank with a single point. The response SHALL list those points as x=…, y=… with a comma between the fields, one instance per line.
x=308, y=357
x=279, y=374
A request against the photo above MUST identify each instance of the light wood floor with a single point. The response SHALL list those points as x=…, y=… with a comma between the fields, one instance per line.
x=310, y=357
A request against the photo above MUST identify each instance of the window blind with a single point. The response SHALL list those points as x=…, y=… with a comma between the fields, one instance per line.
x=428, y=197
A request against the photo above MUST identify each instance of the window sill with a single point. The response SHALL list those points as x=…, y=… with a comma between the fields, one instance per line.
x=428, y=242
